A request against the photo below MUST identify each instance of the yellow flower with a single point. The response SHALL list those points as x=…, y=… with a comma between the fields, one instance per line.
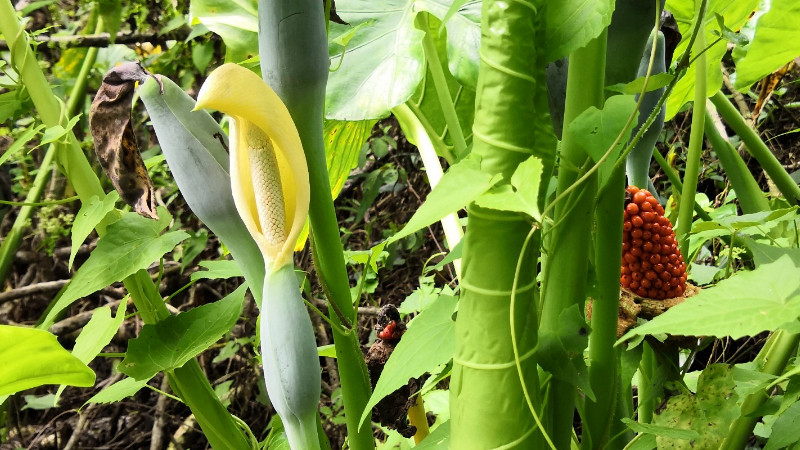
x=269, y=176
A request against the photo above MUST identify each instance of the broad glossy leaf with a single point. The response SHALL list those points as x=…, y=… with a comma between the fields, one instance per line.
x=130, y=244
x=776, y=42
x=90, y=214
x=439, y=438
x=235, y=21
x=658, y=430
x=745, y=304
x=571, y=24
x=734, y=14
x=459, y=186
x=383, y=62
x=429, y=342
x=34, y=358
x=168, y=344
x=765, y=254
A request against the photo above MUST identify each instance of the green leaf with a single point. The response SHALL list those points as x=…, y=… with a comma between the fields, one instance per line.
x=745, y=304
x=224, y=268
x=118, y=391
x=343, y=142
x=735, y=14
x=96, y=334
x=19, y=144
x=785, y=430
x=657, y=430
x=168, y=344
x=571, y=24
x=383, y=62
x=34, y=358
x=90, y=214
x=130, y=244
x=524, y=195
x=202, y=53
x=46, y=401
x=111, y=13
x=597, y=129
x=561, y=352
x=459, y=186
x=236, y=22
x=709, y=412
x=765, y=254
x=327, y=350
x=439, y=438
x=656, y=81
x=776, y=42
x=429, y=342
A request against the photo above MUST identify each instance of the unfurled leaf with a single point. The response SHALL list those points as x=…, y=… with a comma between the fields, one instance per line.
x=168, y=344
x=114, y=140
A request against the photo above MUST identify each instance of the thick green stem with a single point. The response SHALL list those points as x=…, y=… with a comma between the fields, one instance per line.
x=294, y=62
x=603, y=358
x=564, y=281
x=442, y=91
x=776, y=355
x=757, y=148
x=695, y=149
x=646, y=388
x=751, y=199
x=220, y=427
x=494, y=390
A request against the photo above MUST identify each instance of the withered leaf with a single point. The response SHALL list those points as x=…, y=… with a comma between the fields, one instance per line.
x=333, y=16
x=114, y=141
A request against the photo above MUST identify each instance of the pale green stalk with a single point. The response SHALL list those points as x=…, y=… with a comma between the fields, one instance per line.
x=757, y=148
x=695, y=149
x=430, y=160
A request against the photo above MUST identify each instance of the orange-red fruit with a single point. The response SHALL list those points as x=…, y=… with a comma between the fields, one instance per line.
x=652, y=264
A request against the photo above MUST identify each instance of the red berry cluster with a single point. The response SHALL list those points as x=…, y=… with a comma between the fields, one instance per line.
x=652, y=264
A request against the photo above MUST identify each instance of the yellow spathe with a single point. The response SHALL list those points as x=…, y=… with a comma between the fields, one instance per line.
x=269, y=175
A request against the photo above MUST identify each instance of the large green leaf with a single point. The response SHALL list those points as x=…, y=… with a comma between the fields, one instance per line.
x=571, y=24
x=458, y=187
x=745, y=304
x=775, y=43
x=34, y=358
x=734, y=14
x=429, y=342
x=522, y=195
x=130, y=244
x=235, y=21
x=785, y=430
x=383, y=63
x=168, y=344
